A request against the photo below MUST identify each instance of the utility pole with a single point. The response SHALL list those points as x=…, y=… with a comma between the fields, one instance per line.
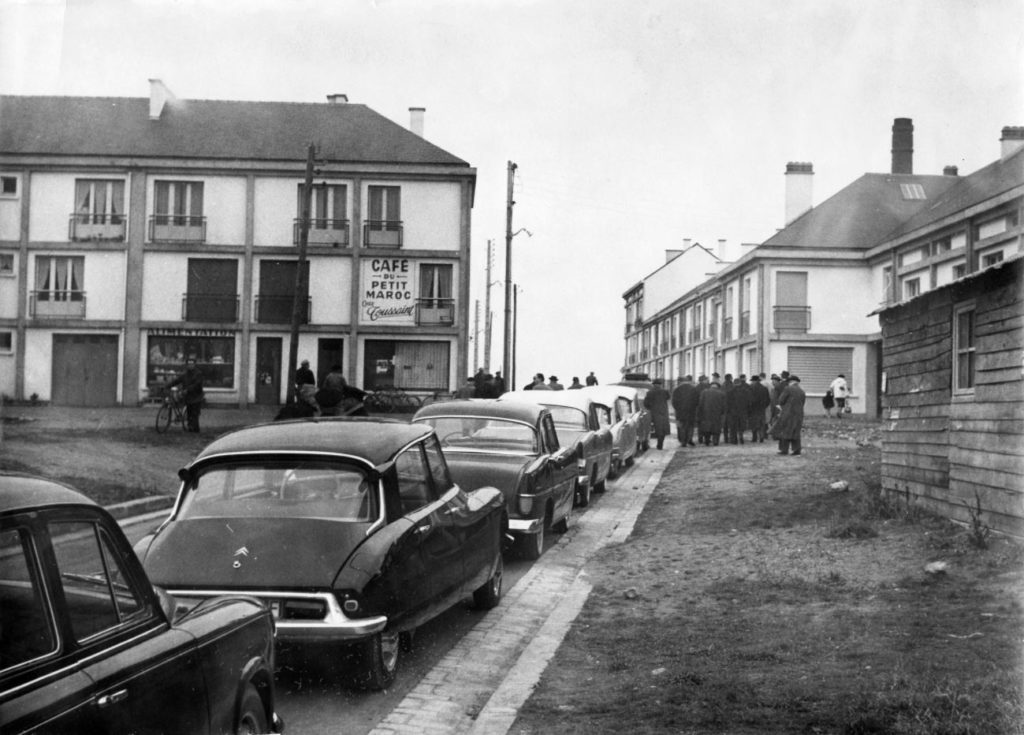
x=476, y=334
x=487, y=308
x=509, y=203
x=299, y=298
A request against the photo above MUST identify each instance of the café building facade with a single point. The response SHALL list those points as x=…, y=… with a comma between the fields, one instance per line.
x=135, y=233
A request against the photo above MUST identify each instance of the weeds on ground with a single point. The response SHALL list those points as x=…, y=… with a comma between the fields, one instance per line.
x=978, y=531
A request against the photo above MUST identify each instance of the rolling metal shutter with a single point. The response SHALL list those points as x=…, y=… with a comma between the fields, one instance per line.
x=818, y=366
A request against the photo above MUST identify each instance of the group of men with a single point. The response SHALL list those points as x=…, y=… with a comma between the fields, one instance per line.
x=722, y=411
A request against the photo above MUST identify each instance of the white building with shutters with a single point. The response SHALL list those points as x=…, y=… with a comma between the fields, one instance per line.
x=137, y=232
x=806, y=299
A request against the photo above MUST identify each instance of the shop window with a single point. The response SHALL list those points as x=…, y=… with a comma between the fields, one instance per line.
x=215, y=357
x=408, y=365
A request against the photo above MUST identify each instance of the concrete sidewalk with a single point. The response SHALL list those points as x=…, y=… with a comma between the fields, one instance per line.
x=478, y=687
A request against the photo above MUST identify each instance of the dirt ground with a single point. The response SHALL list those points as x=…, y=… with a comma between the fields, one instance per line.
x=753, y=597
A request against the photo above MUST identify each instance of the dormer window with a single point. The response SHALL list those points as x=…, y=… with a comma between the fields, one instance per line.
x=912, y=191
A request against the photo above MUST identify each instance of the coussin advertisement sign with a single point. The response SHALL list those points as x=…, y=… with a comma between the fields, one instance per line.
x=388, y=295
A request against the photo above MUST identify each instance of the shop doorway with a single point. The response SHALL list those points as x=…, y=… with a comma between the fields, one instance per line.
x=268, y=371
x=328, y=354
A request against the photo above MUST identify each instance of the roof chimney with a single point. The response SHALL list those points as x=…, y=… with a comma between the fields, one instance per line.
x=159, y=95
x=416, y=120
x=338, y=98
x=1012, y=140
x=799, y=180
x=722, y=250
x=950, y=171
x=903, y=145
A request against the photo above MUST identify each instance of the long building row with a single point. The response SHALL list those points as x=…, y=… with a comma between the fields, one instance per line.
x=807, y=299
x=136, y=232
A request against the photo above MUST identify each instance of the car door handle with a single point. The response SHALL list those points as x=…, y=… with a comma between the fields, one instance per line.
x=108, y=699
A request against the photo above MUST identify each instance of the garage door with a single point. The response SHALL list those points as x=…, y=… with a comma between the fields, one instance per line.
x=84, y=370
x=818, y=366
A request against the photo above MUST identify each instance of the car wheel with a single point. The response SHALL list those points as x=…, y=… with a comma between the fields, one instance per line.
x=599, y=487
x=489, y=594
x=252, y=717
x=629, y=462
x=532, y=545
x=584, y=495
x=562, y=526
x=379, y=660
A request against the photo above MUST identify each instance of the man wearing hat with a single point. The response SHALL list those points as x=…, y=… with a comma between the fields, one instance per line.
x=554, y=384
x=791, y=417
x=760, y=400
x=305, y=384
x=684, y=403
x=656, y=401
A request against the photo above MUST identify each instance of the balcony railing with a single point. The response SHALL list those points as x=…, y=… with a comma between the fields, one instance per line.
x=209, y=308
x=278, y=309
x=177, y=228
x=793, y=318
x=382, y=233
x=727, y=329
x=435, y=311
x=96, y=227
x=57, y=304
x=324, y=232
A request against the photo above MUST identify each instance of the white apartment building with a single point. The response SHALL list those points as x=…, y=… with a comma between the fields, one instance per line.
x=136, y=232
x=806, y=299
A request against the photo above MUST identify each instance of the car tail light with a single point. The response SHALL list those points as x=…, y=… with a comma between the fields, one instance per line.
x=525, y=504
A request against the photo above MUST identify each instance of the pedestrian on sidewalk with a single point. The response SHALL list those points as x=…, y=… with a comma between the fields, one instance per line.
x=656, y=401
x=760, y=400
x=710, y=412
x=840, y=390
x=684, y=403
x=791, y=417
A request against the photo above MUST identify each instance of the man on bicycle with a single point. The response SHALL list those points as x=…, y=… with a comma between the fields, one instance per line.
x=191, y=382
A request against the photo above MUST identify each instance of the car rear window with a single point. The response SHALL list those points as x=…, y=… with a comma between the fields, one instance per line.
x=484, y=434
x=282, y=489
x=568, y=418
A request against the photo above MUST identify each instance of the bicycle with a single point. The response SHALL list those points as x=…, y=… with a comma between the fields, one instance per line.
x=392, y=400
x=172, y=410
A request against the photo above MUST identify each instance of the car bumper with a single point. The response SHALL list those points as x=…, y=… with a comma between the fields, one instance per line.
x=329, y=623
x=525, y=525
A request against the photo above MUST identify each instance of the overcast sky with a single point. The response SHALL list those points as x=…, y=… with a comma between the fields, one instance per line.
x=635, y=124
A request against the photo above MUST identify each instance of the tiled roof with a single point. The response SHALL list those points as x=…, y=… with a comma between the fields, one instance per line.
x=984, y=184
x=862, y=214
x=209, y=129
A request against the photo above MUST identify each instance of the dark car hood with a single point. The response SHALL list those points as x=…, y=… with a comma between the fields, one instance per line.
x=471, y=470
x=251, y=553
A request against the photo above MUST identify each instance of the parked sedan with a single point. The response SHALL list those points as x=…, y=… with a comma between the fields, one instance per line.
x=577, y=422
x=88, y=645
x=616, y=410
x=513, y=446
x=351, y=530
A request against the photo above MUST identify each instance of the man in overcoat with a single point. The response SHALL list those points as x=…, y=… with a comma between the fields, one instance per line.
x=791, y=417
x=737, y=404
x=684, y=403
x=710, y=412
x=760, y=399
x=656, y=401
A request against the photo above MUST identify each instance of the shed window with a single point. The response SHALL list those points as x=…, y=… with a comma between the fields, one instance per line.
x=963, y=349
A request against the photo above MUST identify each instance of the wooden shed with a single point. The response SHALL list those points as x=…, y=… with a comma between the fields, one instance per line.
x=953, y=380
